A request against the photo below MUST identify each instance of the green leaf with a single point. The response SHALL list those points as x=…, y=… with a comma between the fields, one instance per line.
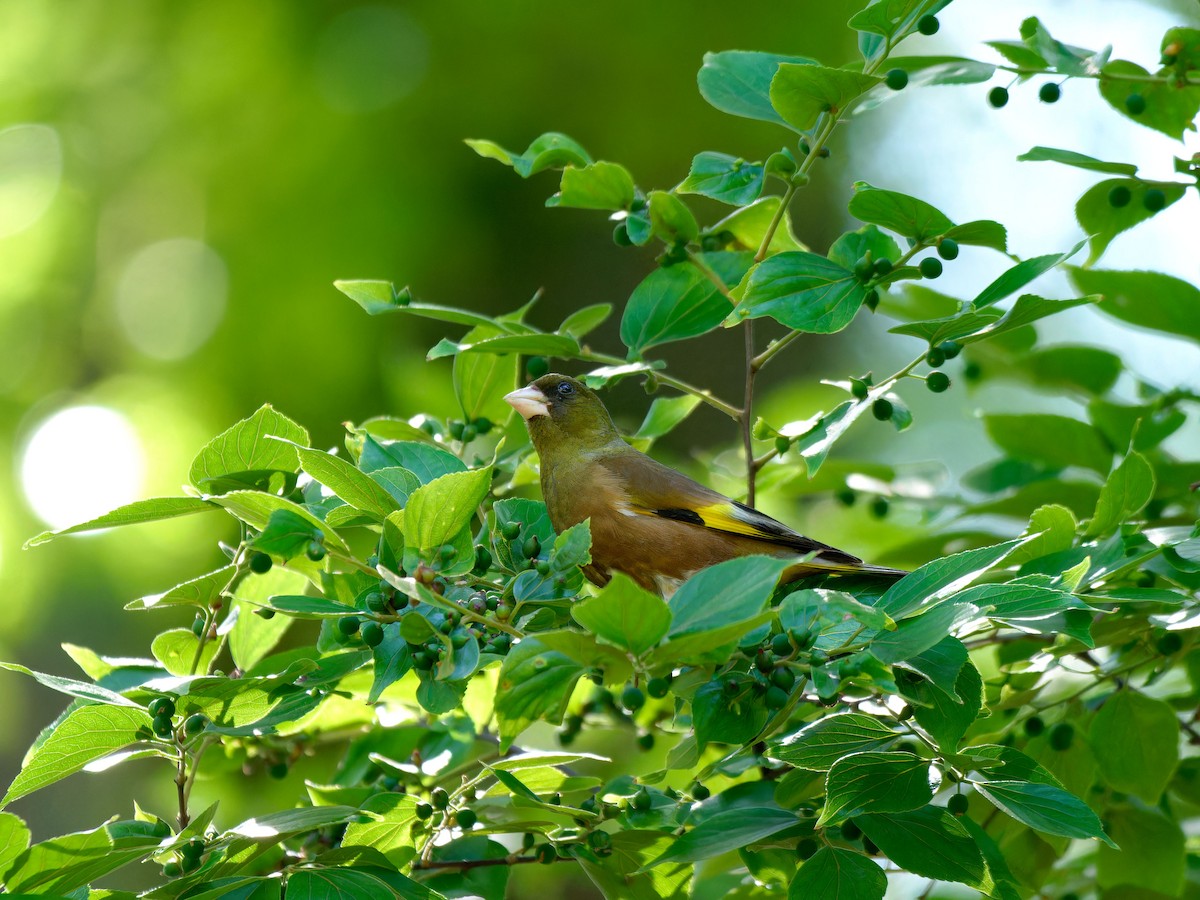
x=835, y=873
x=253, y=637
x=874, y=781
x=664, y=414
x=301, y=607
x=1052, y=530
x=1135, y=740
x=728, y=592
x=750, y=224
x=918, y=633
x=73, y=688
x=738, y=82
x=534, y=683
x=970, y=324
x=620, y=876
x=981, y=233
x=819, y=745
x=1152, y=854
x=1170, y=108
x=1103, y=222
x=624, y=615
x=249, y=446
x=584, y=321
x=422, y=460
x=890, y=17
x=255, y=508
x=803, y=291
x=196, y=592
x=285, y=535
x=439, y=510
x=945, y=716
x=531, y=342
x=1055, y=440
x=671, y=219
x=939, y=665
x=725, y=178
x=1088, y=369
x=926, y=71
x=86, y=734
x=1078, y=160
x=852, y=246
x=897, y=212
x=598, y=185
x=724, y=831
x=14, y=840
x=130, y=514
x=1142, y=427
x=347, y=482
x=940, y=578
x=178, y=649
x=712, y=645
x=679, y=302
x=715, y=717
x=1045, y=807
x=1146, y=299
x=1063, y=58
x=375, y=297
x=801, y=93
x=66, y=864
x=1020, y=55
x=551, y=150
x=1024, y=272
x=391, y=832
x=1019, y=601
x=928, y=842
x=1127, y=490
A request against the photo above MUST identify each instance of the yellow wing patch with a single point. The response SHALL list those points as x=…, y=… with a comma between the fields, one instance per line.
x=727, y=517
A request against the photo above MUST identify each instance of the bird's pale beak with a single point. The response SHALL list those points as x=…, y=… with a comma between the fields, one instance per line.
x=529, y=402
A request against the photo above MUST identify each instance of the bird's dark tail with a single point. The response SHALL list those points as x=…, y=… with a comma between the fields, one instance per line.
x=821, y=567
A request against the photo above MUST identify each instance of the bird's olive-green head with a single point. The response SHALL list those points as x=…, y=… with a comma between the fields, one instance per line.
x=563, y=414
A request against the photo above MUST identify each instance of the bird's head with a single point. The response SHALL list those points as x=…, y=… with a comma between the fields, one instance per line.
x=560, y=411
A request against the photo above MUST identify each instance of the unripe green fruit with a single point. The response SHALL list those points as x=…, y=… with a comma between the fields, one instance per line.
x=469, y=433
x=1049, y=92
x=527, y=841
x=194, y=724
x=863, y=269
x=880, y=507
x=846, y=497
x=1135, y=104
x=264, y=613
x=189, y=864
x=937, y=381
x=1062, y=735
x=510, y=530
x=439, y=798
x=972, y=371
x=162, y=726
x=782, y=444
x=1154, y=200
x=850, y=831
x=896, y=79
x=657, y=687
x=466, y=818
x=998, y=97
x=532, y=547
x=641, y=800
x=1119, y=196
x=278, y=770
x=950, y=348
x=928, y=24
x=1034, y=726
x=883, y=266
x=781, y=645
x=957, y=804
x=930, y=267
x=632, y=698
x=423, y=661
x=936, y=357
x=376, y=602
x=599, y=840
x=456, y=429
x=947, y=248
x=776, y=698
x=315, y=551
x=161, y=706
x=545, y=854
x=537, y=366
x=372, y=634
x=172, y=870
x=882, y=409
x=260, y=563
x=1169, y=644
x=620, y=235
x=348, y=625
x=700, y=791
x=193, y=849
x=783, y=677
x=483, y=558
x=806, y=848
x=871, y=301
x=859, y=389
x=198, y=626
x=483, y=425
x=424, y=810
x=646, y=741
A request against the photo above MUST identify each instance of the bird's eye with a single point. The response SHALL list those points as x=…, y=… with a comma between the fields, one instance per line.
x=566, y=389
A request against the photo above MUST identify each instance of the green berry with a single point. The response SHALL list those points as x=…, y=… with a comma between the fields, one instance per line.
x=315, y=551
x=700, y=791
x=278, y=770
x=1169, y=644
x=957, y=804
x=510, y=530
x=632, y=698
x=998, y=97
x=456, y=429
x=532, y=547
x=883, y=266
x=483, y=425
x=348, y=625
x=376, y=602
x=193, y=849
x=950, y=348
x=260, y=563
x=599, y=840
x=423, y=660
x=781, y=645
x=846, y=496
x=850, y=831
x=937, y=381
x=1135, y=104
x=199, y=625
x=1154, y=200
x=466, y=818
x=372, y=634
x=862, y=269
x=189, y=864
x=439, y=798
x=972, y=371
x=545, y=854
x=947, y=248
x=880, y=507
x=194, y=724
x=936, y=357
x=783, y=677
x=930, y=267
x=871, y=301
x=527, y=841
x=641, y=800
x=1034, y=726
x=543, y=567
x=161, y=706
x=424, y=810
x=483, y=558
x=657, y=687
x=1049, y=92
x=469, y=433
x=162, y=726
x=928, y=24
x=1062, y=735
x=264, y=613
x=172, y=870
x=537, y=366
x=1119, y=196
x=882, y=409
x=447, y=552
x=776, y=698
x=620, y=235
x=896, y=79
x=859, y=389
x=646, y=741
x=782, y=444
x=806, y=848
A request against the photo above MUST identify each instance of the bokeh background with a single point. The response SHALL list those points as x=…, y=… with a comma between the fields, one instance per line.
x=181, y=183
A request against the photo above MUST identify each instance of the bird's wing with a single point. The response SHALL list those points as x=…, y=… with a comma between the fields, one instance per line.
x=652, y=488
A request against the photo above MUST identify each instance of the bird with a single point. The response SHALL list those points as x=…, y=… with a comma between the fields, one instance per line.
x=649, y=521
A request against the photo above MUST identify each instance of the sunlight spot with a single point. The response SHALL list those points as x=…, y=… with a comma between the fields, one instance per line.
x=171, y=297
x=30, y=172
x=81, y=462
